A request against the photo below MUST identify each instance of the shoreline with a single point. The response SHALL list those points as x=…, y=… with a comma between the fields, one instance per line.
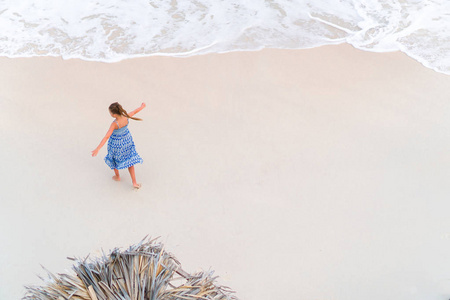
x=186, y=56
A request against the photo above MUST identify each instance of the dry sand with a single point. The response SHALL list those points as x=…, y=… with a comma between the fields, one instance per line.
x=295, y=174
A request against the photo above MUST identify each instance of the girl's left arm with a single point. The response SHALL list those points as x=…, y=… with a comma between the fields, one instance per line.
x=102, y=143
x=137, y=110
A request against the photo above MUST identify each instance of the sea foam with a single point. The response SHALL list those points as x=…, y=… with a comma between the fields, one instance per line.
x=111, y=31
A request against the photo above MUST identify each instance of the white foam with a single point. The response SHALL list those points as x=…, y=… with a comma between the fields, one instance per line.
x=112, y=31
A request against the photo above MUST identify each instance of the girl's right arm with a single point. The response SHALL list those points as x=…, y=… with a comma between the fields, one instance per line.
x=102, y=143
x=137, y=110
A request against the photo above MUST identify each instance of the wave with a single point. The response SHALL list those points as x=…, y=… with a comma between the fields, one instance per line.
x=110, y=31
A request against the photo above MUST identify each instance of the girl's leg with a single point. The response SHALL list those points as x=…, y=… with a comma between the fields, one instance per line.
x=117, y=176
x=133, y=177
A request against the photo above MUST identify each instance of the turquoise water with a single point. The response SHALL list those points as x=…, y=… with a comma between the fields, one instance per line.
x=111, y=31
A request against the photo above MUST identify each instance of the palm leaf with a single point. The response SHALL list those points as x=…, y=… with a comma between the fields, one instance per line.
x=142, y=272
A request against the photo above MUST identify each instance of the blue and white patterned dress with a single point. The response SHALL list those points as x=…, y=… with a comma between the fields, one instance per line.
x=121, y=150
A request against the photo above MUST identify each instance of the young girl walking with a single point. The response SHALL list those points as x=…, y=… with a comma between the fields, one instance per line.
x=121, y=150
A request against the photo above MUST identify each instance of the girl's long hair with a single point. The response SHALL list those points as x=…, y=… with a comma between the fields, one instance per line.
x=117, y=109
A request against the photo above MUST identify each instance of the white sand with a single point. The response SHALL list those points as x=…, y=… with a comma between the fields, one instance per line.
x=313, y=174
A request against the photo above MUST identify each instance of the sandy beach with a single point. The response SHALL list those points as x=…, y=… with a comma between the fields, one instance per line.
x=294, y=174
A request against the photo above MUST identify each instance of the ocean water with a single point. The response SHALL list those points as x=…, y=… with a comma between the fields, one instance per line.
x=111, y=31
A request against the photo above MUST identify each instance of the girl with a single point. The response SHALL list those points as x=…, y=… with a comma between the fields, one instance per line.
x=121, y=151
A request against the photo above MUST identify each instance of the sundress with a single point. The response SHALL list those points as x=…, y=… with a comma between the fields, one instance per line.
x=121, y=150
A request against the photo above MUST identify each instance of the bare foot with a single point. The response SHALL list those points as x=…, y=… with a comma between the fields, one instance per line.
x=137, y=186
x=116, y=178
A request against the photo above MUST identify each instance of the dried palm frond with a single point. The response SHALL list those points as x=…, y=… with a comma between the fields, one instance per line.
x=142, y=272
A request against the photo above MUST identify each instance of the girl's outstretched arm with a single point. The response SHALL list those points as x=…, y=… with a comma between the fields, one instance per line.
x=137, y=110
x=102, y=143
